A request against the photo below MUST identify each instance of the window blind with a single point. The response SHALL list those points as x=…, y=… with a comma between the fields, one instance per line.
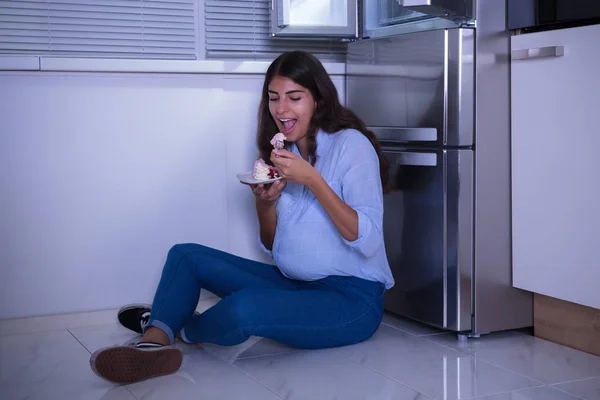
x=99, y=28
x=241, y=29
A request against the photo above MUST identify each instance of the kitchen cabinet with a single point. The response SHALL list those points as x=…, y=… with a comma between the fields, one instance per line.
x=322, y=19
x=555, y=85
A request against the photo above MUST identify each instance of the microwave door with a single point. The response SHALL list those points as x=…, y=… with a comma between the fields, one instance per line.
x=452, y=9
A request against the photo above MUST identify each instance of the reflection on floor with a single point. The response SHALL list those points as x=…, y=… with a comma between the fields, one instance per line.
x=404, y=360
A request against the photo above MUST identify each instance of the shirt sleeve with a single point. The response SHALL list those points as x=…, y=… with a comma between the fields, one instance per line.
x=362, y=190
x=263, y=248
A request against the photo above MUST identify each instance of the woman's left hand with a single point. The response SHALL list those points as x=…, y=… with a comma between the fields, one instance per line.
x=293, y=167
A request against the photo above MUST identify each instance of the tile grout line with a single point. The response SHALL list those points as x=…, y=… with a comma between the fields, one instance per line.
x=255, y=380
x=88, y=350
x=434, y=334
x=426, y=338
x=444, y=345
x=266, y=355
x=232, y=363
x=79, y=341
x=501, y=367
x=540, y=383
x=382, y=374
x=569, y=393
x=489, y=362
x=508, y=369
x=576, y=380
x=218, y=359
x=518, y=373
x=129, y=390
x=483, y=397
x=411, y=333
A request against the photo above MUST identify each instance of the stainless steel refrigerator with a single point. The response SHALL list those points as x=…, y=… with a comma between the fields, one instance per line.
x=438, y=102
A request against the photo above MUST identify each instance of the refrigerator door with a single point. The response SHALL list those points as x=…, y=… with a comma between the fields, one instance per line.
x=416, y=80
x=428, y=231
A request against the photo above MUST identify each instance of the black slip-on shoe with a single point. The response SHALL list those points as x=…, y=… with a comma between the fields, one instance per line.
x=134, y=316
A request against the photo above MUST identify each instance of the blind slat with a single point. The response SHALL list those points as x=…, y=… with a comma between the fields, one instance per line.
x=99, y=28
x=237, y=4
x=118, y=22
x=224, y=12
x=324, y=48
x=251, y=19
x=241, y=29
x=33, y=36
x=69, y=30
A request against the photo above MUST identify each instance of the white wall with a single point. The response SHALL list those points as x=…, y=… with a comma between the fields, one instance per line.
x=101, y=173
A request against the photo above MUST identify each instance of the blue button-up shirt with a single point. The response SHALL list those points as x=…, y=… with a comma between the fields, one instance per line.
x=307, y=245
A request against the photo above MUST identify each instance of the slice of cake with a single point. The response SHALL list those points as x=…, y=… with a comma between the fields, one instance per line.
x=262, y=171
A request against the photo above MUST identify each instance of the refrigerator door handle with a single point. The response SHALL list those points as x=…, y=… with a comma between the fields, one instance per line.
x=541, y=52
x=404, y=134
x=411, y=158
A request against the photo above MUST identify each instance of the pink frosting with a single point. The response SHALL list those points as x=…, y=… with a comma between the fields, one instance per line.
x=278, y=140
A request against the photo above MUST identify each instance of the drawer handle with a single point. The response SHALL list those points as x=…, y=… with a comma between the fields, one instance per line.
x=541, y=52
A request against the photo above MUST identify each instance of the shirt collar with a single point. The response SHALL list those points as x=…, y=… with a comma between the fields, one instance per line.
x=323, y=144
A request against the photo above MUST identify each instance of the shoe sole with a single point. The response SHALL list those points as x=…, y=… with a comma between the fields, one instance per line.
x=125, y=365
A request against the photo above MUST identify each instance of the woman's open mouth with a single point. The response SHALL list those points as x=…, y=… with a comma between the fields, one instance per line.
x=288, y=125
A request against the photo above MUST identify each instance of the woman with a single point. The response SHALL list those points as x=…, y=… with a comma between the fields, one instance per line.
x=322, y=224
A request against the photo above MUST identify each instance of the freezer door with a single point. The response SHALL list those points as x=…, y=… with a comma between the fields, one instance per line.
x=417, y=80
x=428, y=232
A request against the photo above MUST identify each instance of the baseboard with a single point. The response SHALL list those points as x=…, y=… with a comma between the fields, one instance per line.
x=57, y=322
x=74, y=320
x=566, y=323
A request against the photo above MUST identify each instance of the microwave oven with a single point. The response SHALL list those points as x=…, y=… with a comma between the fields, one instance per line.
x=538, y=15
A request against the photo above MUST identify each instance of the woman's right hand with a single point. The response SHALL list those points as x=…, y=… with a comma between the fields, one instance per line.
x=267, y=195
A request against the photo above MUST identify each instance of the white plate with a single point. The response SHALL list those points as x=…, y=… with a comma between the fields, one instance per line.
x=247, y=177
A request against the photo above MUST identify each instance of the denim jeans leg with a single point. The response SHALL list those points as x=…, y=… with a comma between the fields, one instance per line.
x=177, y=294
x=332, y=313
x=192, y=267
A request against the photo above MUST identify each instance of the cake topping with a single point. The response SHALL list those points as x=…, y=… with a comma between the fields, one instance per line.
x=278, y=140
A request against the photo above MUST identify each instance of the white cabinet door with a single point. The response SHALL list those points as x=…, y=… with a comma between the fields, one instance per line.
x=556, y=163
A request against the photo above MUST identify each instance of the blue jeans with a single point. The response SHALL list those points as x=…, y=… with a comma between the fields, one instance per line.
x=257, y=300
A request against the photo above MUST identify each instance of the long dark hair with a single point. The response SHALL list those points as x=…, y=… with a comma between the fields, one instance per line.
x=330, y=116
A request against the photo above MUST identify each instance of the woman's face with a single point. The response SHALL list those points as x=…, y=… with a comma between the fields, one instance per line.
x=291, y=106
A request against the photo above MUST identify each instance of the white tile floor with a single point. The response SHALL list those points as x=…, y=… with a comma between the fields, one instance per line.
x=404, y=360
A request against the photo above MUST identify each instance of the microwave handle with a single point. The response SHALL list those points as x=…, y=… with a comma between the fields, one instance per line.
x=541, y=52
x=412, y=158
x=283, y=12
